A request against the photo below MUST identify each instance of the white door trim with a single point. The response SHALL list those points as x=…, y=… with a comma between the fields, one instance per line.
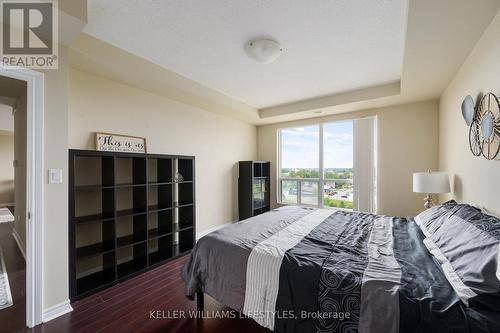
x=34, y=189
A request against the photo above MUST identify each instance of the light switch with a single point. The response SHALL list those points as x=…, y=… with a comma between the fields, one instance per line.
x=55, y=176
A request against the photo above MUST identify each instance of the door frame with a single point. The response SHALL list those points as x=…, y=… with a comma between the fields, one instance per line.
x=34, y=216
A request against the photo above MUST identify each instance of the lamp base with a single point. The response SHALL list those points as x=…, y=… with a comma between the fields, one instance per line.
x=429, y=201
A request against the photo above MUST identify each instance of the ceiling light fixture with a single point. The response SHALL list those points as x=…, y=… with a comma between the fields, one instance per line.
x=264, y=51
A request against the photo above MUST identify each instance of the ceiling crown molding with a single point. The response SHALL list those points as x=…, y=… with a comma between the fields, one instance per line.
x=385, y=90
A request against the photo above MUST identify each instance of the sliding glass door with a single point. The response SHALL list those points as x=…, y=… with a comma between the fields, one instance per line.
x=299, y=172
x=338, y=159
x=328, y=165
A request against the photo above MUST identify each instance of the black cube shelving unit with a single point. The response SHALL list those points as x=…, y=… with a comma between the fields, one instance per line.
x=128, y=213
x=253, y=188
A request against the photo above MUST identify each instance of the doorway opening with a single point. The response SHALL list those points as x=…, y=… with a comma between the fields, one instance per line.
x=31, y=191
x=13, y=208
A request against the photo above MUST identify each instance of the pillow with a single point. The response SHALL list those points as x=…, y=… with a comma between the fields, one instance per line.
x=431, y=218
x=467, y=244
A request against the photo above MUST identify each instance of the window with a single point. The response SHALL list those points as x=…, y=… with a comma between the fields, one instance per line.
x=299, y=171
x=328, y=165
x=338, y=159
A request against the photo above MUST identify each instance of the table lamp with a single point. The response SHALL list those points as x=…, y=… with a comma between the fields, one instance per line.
x=431, y=183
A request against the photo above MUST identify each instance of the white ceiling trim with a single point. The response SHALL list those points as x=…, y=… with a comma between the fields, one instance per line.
x=315, y=104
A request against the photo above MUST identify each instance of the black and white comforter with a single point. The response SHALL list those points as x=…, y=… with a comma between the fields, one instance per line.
x=320, y=270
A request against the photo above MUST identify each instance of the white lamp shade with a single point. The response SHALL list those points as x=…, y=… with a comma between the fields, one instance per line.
x=431, y=182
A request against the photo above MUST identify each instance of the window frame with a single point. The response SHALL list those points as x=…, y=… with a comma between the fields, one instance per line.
x=320, y=180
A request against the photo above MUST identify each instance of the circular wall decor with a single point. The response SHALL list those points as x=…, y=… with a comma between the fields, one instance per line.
x=488, y=125
x=468, y=110
x=474, y=142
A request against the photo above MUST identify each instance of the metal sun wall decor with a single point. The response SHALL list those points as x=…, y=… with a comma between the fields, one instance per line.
x=484, y=122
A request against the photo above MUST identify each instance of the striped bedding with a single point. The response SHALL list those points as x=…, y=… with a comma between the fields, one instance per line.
x=321, y=270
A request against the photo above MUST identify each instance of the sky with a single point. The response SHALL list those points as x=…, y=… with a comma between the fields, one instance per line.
x=300, y=146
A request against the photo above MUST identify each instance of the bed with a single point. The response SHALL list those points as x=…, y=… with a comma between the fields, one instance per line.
x=299, y=269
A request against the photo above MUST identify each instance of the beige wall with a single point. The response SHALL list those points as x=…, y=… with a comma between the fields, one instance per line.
x=55, y=229
x=476, y=180
x=218, y=142
x=407, y=142
x=6, y=169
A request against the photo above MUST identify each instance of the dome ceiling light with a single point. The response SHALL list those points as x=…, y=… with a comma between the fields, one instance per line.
x=264, y=51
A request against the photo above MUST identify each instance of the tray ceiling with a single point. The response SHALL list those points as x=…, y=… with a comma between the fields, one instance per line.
x=329, y=46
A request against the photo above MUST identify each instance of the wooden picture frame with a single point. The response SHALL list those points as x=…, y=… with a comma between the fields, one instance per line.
x=120, y=143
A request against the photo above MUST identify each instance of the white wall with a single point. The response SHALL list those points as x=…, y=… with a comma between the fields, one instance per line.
x=476, y=180
x=407, y=142
x=6, y=169
x=217, y=142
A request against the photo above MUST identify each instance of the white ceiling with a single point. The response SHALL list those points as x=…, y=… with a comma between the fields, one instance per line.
x=329, y=46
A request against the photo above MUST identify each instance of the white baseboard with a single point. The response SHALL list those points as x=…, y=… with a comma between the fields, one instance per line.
x=205, y=232
x=56, y=311
x=19, y=242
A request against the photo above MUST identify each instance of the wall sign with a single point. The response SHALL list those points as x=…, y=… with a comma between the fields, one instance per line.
x=120, y=143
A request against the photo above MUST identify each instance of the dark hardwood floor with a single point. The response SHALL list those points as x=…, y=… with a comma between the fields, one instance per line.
x=141, y=304
x=13, y=318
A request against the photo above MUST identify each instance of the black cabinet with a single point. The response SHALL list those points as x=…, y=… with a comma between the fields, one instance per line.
x=254, y=188
x=127, y=214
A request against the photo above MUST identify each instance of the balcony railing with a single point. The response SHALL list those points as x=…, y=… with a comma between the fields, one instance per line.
x=316, y=192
